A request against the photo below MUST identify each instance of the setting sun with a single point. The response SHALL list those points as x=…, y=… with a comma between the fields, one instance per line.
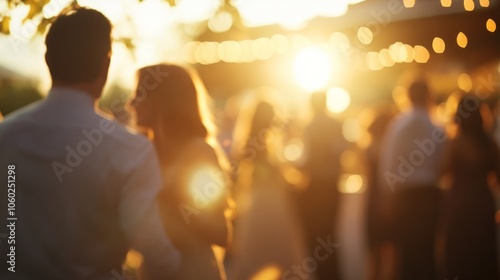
x=312, y=68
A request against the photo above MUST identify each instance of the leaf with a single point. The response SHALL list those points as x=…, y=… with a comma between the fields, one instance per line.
x=43, y=25
x=5, y=25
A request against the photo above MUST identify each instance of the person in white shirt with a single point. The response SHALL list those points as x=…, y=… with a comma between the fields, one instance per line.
x=83, y=187
x=411, y=156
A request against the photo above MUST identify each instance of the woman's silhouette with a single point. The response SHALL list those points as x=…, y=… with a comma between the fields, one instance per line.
x=170, y=102
x=469, y=216
x=267, y=237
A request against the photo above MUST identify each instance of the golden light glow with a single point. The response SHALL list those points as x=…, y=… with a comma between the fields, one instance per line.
x=464, y=82
x=491, y=26
x=407, y=53
x=293, y=150
x=312, y=68
x=229, y=51
x=365, y=35
x=206, y=185
x=268, y=272
x=462, y=40
x=385, y=58
x=262, y=48
x=134, y=259
x=220, y=22
x=337, y=100
x=422, y=55
x=409, y=3
x=446, y=3
x=484, y=3
x=373, y=61
x=395, y=52
x=294, y=176
x=438, y=45
x=351, y=130
x=348, y=159
x=280, y=43
x=351, y=183
x=469, y=5
x=400, y=97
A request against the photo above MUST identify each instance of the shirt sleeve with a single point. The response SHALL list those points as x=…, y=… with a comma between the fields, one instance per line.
x=140, y=217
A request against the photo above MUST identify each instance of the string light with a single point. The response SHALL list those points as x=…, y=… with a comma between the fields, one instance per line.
x=446, y=3
x=409, y=3
x=491, y=26
x=469, y=5
x=422, y=55
x=438, y=45
x=365, y=35
x=462, y=40
x=484, y=3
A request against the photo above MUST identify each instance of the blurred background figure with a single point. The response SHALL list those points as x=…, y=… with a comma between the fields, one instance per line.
x=469, y=216
x=268, y=242
x=194, y=201
x=319, y=202
x=411, y=155
x=377, y=196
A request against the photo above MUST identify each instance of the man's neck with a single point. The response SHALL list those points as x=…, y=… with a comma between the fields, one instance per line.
x=87, y=88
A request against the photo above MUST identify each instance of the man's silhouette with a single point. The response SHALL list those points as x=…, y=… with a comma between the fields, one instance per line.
x=85, y=186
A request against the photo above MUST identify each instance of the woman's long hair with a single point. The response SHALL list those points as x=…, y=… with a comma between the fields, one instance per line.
x=182, y=112
x=469, y=118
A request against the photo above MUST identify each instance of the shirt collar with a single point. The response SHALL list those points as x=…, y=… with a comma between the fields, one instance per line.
x=71, y=96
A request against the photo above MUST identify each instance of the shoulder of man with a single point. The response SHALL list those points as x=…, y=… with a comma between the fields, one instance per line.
x=125, y=136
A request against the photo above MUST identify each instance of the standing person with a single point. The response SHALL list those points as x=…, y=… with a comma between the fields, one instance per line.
x=411, y=155
x=85, y=186
x=267, y=237
x=319, y=203
x=469, y=216
x=376, y=208
x=170, y=102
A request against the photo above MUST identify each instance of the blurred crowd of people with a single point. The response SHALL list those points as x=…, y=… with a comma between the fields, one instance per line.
x=169, y=190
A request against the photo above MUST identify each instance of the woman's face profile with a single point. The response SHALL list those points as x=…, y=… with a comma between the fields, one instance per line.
x=143, y=105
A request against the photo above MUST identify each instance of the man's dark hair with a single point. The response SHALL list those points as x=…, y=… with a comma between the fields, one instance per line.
x=419, y=93
x=78, y=43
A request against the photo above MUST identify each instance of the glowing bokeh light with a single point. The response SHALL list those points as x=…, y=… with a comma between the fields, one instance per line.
x=438, y=45
x=206, y=186
x=469, y=5
x=373, y=61
x=385, y=58
x=312, y=68
x=446, y=3
x=484, y=3
x=365, y=35
x=422, y=55
x=491, y=25
x=293, y=150
x=464, y=82
x=337, y=100
x=351, y=183
x=462, y=40
x=351, y=130
x=220, y=22
x=409, y=3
